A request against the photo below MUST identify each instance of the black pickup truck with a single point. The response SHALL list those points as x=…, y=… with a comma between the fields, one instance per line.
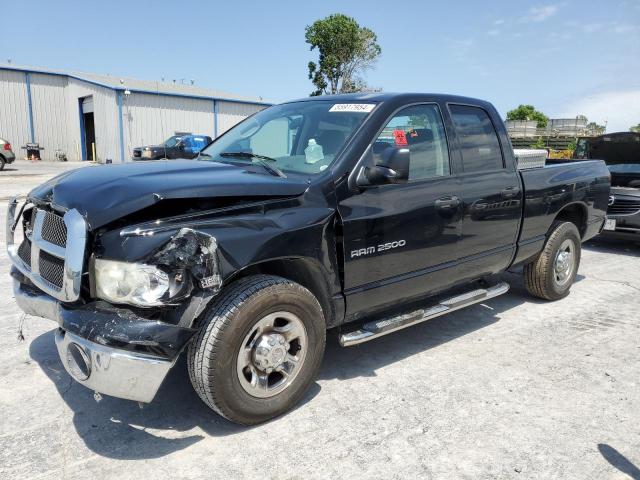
x=365, y=212
x=621, y=152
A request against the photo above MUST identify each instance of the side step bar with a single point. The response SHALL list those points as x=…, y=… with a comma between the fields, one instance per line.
x=378, y=328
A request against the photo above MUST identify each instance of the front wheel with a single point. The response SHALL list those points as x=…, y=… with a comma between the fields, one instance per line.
x=552, y=273
x=258, y=350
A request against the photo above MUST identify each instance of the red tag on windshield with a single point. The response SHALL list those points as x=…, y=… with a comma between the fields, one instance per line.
x=400, y=137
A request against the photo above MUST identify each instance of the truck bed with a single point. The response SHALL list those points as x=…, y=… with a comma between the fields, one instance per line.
x=557, y=185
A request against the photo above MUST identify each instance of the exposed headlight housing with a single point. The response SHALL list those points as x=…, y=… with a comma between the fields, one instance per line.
x=132, y=283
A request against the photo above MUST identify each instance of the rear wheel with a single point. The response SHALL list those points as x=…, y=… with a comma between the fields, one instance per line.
x=258, y=349
x=2, y=162
x=552, y=273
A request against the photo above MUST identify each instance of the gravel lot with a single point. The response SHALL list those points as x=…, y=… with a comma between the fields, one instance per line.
x=514, y=388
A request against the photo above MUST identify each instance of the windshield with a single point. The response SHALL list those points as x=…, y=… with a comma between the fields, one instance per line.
x=171, y=141
x=301, y=137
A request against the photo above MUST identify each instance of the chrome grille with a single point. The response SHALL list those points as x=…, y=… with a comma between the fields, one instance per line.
x=622, y=206
x=54, y=230
x=52, y=254
x=24, y=251
x=51, y=269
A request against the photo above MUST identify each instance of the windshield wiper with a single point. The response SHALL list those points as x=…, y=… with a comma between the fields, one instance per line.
x=272, y=169
x=247, y=155
x=259, y=159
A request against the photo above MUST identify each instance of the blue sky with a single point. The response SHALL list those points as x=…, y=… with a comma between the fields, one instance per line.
x=566, y=58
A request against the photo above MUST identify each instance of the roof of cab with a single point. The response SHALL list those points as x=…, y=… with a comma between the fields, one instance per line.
x=388, y=96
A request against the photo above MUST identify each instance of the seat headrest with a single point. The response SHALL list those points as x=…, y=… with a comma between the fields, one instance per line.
x=419, y=135
x=331, y=140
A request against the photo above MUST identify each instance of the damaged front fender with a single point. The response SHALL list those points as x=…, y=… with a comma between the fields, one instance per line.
x=195, y=251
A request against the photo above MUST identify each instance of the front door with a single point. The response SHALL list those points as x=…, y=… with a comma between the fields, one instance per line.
x=400, y=239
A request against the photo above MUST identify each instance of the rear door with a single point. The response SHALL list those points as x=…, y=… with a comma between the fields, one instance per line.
x=401, y=239
x=490, y=192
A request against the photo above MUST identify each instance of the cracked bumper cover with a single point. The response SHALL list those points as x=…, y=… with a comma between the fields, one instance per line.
x=108, y=350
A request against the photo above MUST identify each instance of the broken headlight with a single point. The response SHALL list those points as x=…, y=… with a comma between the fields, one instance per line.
x=132, y=283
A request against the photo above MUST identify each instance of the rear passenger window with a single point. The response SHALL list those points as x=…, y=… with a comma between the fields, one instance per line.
x=478, y=139
x=420, y=129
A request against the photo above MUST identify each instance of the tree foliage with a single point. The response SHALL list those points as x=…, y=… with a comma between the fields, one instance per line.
x=528, y=112
x=539, y=143
x=635, y=128
x=595, y=127
x=346, y=50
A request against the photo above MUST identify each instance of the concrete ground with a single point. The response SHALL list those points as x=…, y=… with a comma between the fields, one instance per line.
x=514, y=388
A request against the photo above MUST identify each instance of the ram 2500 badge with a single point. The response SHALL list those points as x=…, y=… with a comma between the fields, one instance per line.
x=323, y=213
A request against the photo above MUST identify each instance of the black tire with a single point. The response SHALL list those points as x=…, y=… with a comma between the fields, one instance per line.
x=540, y=276
x=2, y=162
x=213, y=354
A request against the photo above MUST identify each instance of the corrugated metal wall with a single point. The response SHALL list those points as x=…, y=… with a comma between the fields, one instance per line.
x=150, y=119
x=146, y=118
x=105, y=117
x=50, y=120
x=14, y=118
x=230, y=113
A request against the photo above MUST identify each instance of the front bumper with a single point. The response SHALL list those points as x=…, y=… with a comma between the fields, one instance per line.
x=107, y=350
x=624, y=208
x=624, y=233
x=109, y=371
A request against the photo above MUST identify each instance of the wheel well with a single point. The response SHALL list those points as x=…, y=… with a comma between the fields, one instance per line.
x=298, y=270
x=576, y=214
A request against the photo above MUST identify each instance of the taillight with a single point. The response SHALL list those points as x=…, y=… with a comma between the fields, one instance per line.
x=7, y=146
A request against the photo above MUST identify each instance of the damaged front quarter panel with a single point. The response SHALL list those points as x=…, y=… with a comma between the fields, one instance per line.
x=211, y=248
x=195, y=251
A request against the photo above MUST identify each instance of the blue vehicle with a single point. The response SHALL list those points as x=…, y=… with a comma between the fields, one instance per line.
x=177, y=146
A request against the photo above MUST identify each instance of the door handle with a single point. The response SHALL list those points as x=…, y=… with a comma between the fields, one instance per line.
x=510, y=192
x=447, y=202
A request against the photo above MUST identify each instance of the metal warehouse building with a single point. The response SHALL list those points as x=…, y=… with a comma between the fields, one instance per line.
x=76, y=112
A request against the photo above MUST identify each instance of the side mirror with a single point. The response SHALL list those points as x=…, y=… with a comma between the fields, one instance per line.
x=394, y=168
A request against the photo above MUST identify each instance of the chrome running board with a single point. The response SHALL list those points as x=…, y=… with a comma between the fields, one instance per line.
x=378, y=328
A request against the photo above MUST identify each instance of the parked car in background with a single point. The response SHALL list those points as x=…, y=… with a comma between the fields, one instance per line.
x=6, y=154
x=621, y=153
x=178, y=146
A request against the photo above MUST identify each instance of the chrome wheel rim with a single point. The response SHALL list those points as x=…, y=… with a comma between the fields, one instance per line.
x=272, y=354
x=565, y=262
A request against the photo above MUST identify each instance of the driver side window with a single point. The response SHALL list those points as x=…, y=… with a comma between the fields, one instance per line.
x=420, y=129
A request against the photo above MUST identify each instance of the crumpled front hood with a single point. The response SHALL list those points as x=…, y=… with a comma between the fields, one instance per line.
x=105, y=193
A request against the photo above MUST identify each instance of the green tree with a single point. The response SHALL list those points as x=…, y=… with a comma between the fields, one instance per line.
x=528, y=112
x=346, y=50
x=635, y=128
x=539, y=143
x=594, y=127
